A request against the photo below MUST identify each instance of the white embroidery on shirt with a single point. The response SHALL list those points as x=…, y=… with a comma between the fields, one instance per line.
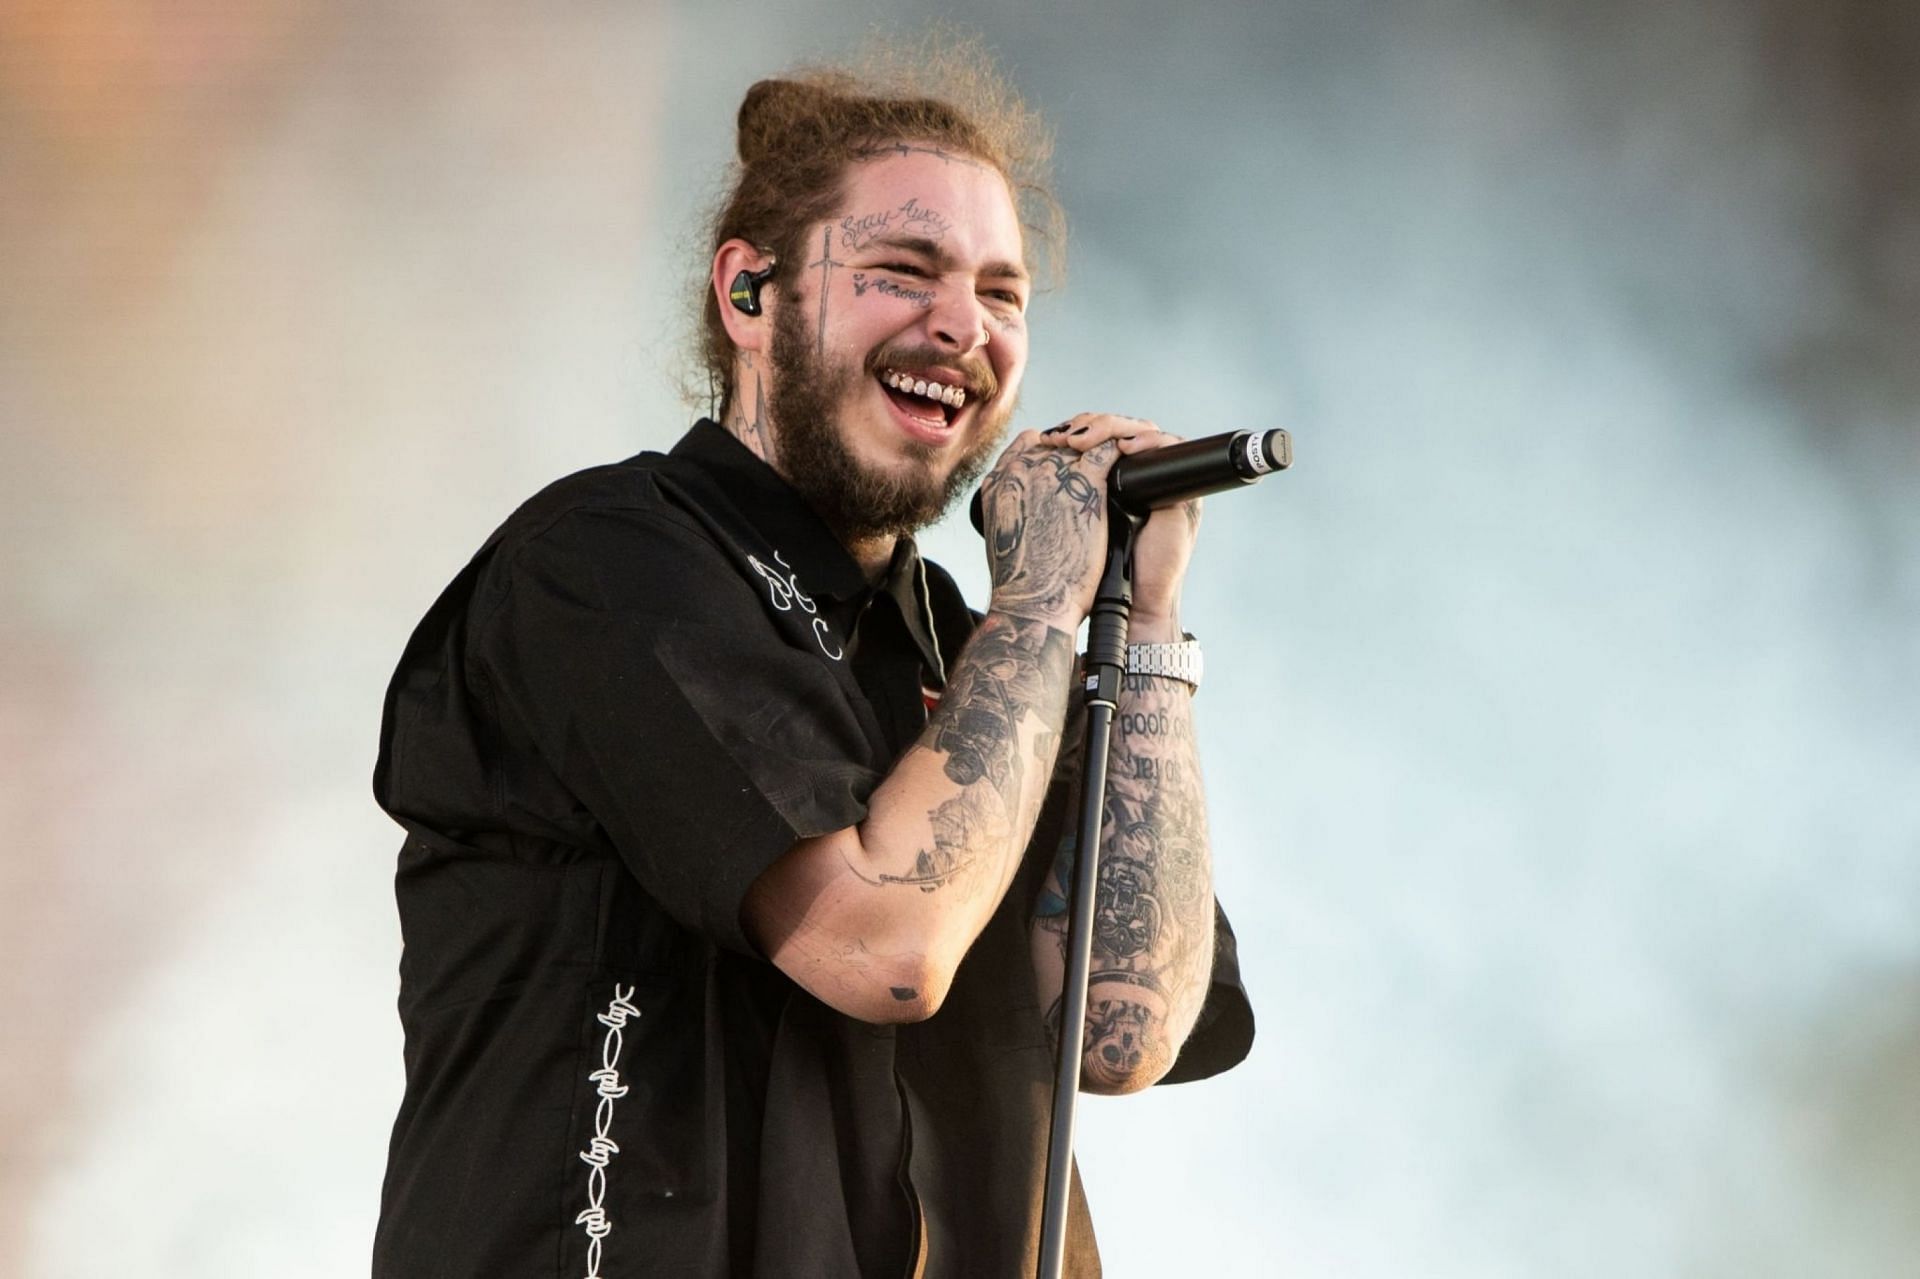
x=784, y=593
x=820, y=634
x=601, y=1148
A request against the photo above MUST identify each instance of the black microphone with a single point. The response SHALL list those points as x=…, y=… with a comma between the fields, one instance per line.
x=1142, y=482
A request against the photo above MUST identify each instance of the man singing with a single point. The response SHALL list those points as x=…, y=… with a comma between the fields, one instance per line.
x=732, y=889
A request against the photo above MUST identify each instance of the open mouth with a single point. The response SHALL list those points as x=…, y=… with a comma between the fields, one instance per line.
x=928, y=400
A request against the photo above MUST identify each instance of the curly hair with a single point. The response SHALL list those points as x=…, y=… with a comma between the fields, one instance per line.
x=797, y=137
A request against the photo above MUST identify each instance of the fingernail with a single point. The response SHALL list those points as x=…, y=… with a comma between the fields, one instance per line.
x=1079, y=430
x=1055, y=430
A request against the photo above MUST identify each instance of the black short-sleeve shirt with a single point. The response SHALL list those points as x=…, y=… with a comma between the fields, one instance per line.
x=648, y=684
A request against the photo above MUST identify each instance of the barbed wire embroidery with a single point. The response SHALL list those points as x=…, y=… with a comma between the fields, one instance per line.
x=784, y=592
x=601, y=1148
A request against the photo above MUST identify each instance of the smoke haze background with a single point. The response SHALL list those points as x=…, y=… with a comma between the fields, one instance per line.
x=1561, y=731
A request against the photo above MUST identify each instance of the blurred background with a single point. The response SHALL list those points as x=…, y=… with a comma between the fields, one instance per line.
x=1562, y=730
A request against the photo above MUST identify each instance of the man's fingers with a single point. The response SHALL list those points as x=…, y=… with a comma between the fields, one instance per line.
x=1085, y=431
x=1146, y=440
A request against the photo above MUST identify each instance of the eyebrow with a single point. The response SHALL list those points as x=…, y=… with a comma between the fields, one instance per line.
x=932, y=249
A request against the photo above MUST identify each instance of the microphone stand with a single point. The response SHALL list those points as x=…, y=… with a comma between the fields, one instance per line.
x=1106, y=666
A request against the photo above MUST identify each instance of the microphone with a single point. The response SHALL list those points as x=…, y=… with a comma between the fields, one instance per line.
x=1143, y=482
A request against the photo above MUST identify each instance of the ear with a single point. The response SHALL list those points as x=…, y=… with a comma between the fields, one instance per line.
x=747, y=332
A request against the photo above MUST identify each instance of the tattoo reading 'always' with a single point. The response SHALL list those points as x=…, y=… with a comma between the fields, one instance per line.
x=922, y=298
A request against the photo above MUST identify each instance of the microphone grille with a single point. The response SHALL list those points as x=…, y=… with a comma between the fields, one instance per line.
x=1268, y=451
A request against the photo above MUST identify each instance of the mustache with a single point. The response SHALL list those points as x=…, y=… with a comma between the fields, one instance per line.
x=976, y=373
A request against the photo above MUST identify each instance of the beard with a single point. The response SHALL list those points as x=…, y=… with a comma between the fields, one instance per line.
x=856, y=501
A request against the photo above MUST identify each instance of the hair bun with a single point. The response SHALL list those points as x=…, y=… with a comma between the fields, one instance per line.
x=778, y=114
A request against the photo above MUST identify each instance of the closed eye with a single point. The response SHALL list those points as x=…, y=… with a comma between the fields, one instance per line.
x=902, y=268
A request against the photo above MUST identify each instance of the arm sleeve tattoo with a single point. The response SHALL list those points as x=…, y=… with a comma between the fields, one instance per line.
x=1153, y=909
x=1010, y=687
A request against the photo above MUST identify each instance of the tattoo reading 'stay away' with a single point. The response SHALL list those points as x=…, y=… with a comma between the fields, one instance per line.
x=858, y=230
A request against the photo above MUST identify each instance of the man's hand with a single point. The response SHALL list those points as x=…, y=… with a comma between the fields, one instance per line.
x=1044, y=517
x=1164, y=546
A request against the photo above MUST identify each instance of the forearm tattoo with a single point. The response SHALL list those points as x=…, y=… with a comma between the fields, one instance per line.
x=1010, y=681
x=1119, y=1040
x=1153, y=903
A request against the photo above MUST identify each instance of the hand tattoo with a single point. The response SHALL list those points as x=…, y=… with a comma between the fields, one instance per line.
x=1042, y=509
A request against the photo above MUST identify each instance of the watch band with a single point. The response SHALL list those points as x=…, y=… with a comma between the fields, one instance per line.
x=1180, y=661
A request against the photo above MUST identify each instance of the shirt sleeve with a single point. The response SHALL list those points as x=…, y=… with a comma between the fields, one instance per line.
x=648, y=676
x=1223, y=1034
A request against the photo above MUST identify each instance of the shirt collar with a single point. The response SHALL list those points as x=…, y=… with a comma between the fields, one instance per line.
x=906, y=582
x=775, y=510
x=783, y=517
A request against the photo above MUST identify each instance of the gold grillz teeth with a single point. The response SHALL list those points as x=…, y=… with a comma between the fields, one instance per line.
x=952, y=395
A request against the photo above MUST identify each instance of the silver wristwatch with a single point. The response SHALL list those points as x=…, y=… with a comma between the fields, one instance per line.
x=1175, y=661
